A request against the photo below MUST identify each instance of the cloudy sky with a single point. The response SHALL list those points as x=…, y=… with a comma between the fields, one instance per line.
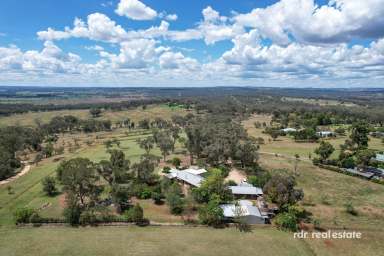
x=297, y=43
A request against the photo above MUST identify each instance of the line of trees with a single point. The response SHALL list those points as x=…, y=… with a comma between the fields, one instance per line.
x=12, y=140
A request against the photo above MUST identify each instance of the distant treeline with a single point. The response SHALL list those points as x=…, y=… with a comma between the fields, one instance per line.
x=240, y=105
x=13, y=108
x=218, y=100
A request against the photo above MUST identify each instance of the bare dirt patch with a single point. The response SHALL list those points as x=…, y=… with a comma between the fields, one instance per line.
x=62, y=200
x=236, y=175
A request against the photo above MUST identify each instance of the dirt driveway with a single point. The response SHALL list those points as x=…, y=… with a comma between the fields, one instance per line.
x=236, y=175
x=25, y=170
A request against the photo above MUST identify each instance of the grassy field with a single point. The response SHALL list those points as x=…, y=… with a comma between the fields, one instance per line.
x=174, y=241
x=148, y=241
x=27, y=190
x=327, y=192
x=151, y=112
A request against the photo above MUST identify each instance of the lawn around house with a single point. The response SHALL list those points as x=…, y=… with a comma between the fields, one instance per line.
x=327, y=192
x=148, y=241
x=174, y=241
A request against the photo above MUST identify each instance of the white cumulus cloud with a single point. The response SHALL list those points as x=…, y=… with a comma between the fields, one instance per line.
x=305, y=21
x=135, y=10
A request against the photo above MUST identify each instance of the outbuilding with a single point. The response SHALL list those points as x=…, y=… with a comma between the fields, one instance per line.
x=246, y=190
x=244, y=209
x=185, y=177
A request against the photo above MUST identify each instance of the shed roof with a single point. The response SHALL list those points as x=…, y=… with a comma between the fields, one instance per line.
x=325, y=132
x=245, y=190
x=189, y=178
x=289, y=130
x=363, y=174
x=380, y=157
x=197, y=171
x=245, y=208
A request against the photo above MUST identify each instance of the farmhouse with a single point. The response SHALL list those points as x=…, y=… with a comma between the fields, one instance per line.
x=325, y=134
x=186, y=177
x=245, y=209
x=379, y=157
x=196, y=171
x=245, y=189
x=286, y=130
x=377, y=134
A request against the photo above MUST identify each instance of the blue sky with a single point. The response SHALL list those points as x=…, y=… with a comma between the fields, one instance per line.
x=298, y=43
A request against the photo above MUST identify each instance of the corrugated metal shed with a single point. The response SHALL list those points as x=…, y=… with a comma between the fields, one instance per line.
x=185, y=176
x=246, y=190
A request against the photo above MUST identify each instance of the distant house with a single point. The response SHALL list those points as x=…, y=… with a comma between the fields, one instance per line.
x=325, y=134
x=377, y=134
x=245, y=209
x=379, y=157
x=287, y=130
x=245, y=189
x=367, y=174
x=378, y=172
x=185, y=177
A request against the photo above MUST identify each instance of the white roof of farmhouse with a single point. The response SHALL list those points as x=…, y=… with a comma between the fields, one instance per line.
x=245, y=208
x=195, y=171
x=289, y=130
x=185, y=176
x=325, y=132
x=380, y=157
x=245, y=189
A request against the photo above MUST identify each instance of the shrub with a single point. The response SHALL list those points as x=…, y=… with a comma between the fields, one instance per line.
x=286, y=221
x=259, y=180
x=297, y=211
x=142, y=191
x=157, y=197
x=254, y=170
x=175, y=202
x=348, y=162
x=35, y=218
x=23, y=215
x=87, y=218
x=231, y=183
x=10, y=190
x=49, y=186
x=166, y=169
x=281, y=190
x=145, y=194
x=134, y=214
x=316, y=223
x=350, y=209
x=224, y=170
x=211, y=214
x=176, y=162
x=72, y=214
